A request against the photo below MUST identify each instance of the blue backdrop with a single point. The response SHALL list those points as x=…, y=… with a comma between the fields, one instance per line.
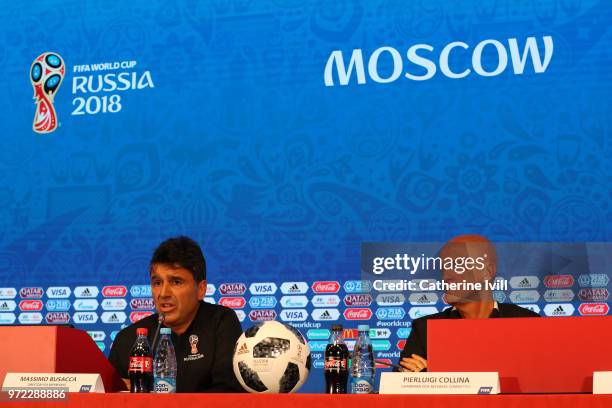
x=214, y=119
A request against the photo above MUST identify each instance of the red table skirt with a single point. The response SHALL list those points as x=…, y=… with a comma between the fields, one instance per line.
x=321, y=400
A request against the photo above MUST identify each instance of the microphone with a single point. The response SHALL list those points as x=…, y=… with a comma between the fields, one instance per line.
x=160, y=320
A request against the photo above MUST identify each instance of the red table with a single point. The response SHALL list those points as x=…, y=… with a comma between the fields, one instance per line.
x=327, y=401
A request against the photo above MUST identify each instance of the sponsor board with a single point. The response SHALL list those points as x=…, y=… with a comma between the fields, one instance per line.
x=210, y=289
x=141, y=291
x=232, y=302
x=400, y=344
x=30, y=318
x=404, y=332
x=524, y=282
x=294, y=288
x=210, y=300
x=240, y=314
x=57, y=317
x=293, y=315
x=593, y=280
x=113, y=317
x=318, y=363
x=380, y=361
x=114, y=334
x=317, y=346
x=358, y=300
x=232, y=289
x=86, y=291
x=85, y=317
x=381, y=345
x=114, y=291
x=293, y=301
x=34, y=305
x=262, y=302
x=380, y=333
x=136, y=316
x=85, y=304
x=57, y=305
x=357, y=286
x=325, y=300
x=358, y=313
x=533, y=308
x=559, y=295
x=142, y=304
x=593, y=309
x=7, y=318
x=390, y=313
x=8, y=293
x=263, y=288
x=102, y=347
x=326, y=287
x=420, y=311
x=390, y=299
x=262, y=315
x=524, y=296
x=559, y=309
x=423, y=299
x=31, y=293
x=114, y=304
x=499, y=296
x=558, y=281
x=97, y=335
x=593, y=294
x=318, y=334
x=55, y=292
x=325, y=314
x=7, y=305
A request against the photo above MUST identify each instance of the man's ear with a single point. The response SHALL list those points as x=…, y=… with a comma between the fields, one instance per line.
x=201, y=289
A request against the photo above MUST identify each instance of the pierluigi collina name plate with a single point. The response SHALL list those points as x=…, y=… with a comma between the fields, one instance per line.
x=439, y=383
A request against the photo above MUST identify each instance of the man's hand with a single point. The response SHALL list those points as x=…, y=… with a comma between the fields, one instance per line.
x=414, y=363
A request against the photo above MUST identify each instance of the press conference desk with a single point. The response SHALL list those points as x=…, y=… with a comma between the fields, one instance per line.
x=327, y=401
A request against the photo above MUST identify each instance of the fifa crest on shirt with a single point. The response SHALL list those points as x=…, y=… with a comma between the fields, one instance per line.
x=46, y=75
x=193, y=341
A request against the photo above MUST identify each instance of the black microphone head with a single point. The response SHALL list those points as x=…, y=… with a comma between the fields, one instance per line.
x=160, y=318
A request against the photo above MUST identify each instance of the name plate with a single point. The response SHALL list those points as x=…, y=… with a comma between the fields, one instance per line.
x=68, y=382
x=439, y=383
x=602, y=382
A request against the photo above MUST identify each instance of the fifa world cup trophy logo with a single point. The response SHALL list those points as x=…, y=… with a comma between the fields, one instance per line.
x=46, y=75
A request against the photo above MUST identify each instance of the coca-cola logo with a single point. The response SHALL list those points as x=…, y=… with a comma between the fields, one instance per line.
x=559, y=281
x=326, y=287
x=593, y=309
x=358, y=300
x=232, y=302
x=57, y=317
x=31, y=293
x=358, y=314
x=332, y=363
x=593, y=294
x=232, y=288
x=31, y=305
x=142, y=304
x=136, y=316
x=262, y=315
x=114, y=291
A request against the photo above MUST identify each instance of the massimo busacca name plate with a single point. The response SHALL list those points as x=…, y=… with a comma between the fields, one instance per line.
x=439, y=383
x=602, y=382
x=68, y=382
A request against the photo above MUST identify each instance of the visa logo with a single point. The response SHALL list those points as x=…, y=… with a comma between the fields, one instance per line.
x=266, y=288
x=85, y=317
x=297, y=315
x=58, y=292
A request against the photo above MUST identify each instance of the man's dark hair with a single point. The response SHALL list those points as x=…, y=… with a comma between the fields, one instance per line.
x=181, y=252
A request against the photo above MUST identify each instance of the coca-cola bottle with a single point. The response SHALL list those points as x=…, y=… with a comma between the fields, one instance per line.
x=336, y=363
x=141, y=364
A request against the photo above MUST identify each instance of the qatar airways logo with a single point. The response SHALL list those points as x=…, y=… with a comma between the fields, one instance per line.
x=532, y=54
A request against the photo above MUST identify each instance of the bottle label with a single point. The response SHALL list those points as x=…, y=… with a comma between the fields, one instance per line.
x=336, y=364
x=361, y=386
x=140, y=364
x=165, y=385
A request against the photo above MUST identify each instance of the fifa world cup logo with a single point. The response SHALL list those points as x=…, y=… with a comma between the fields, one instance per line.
x=193, y=341
x=46, y=75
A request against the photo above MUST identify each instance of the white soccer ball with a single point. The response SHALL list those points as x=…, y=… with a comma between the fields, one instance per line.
x=271, y=357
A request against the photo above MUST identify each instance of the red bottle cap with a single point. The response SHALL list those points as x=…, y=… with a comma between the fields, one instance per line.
x=142, y=331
